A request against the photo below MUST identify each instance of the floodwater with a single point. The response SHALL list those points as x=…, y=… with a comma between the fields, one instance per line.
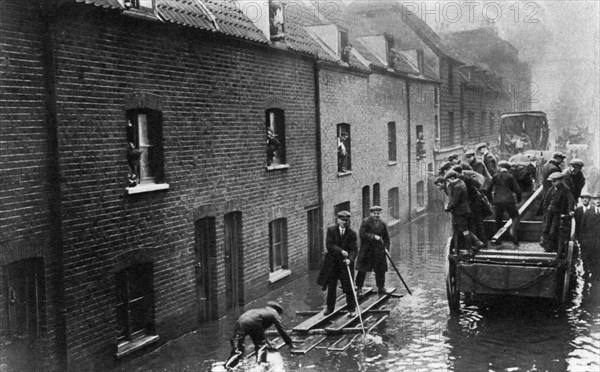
x=497, y=334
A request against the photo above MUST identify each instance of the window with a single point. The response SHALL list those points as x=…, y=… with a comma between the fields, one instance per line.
x=135, y=302
x=421, y=194
x=366, y=201
x=470, y=124
x=276, y=20
x=394, y=203
x=344, y=46
x=450, y=79
x=451, y=128
x=492, y=123
x=436, y=123
x=420, y=143
x=275, y=126
x=278, y=252
x=435, y=96
x=344, y=148
x=376, y=195
x=145, y=149
x=392, y=141
x=345, y=206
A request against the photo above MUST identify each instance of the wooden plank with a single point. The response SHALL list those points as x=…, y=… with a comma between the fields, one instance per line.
x=307, y=313
x=320, y=317
x=343, y=343
x=508, y=223
x=370, y=303
x=309, y=343
x=381, y=320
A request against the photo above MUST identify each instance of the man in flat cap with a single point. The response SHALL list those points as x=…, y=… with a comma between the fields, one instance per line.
x=506, y=194
x=552, y=166
x=585, y=229
x=253, y=323
x=477, y=165
x=374, y=242
x=574, y=178
x=341, y=244
x=558, y=203
x=489, y=160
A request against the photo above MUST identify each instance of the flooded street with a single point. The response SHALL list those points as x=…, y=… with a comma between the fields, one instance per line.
x=498, y=334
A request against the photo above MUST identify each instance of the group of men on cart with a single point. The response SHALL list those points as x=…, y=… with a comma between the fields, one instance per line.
x=470, y=185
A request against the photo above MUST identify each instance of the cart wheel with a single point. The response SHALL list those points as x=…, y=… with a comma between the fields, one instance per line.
x=451, y=287
x=567, y=279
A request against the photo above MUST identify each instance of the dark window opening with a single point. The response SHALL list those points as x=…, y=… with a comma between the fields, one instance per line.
x=451, y=128
x=344, y=148
x=392, y=141
x=376, y=195
x=135, y=302
x=275, y=126
x=278, y=246
x=420, y=143
x=366, y=201
x=145, y=146
x=394, y=203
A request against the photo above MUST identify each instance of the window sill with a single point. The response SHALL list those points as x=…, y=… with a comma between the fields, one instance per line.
x=390, y=162
x=344, y=174
x=129, y=347
x=277, y=167
x=149, y=187
x=278, y=275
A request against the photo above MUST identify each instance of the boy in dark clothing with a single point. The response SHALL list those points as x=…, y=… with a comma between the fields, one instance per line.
x=558, y=203
x=253, y=323
x=475, y=217
x=505, y=188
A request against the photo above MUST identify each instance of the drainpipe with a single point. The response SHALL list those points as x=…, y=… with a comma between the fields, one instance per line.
x=55, y=259
x=409, y=146
x=319, y=150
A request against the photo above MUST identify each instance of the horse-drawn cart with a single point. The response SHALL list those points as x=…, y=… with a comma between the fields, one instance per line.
x=504, y=269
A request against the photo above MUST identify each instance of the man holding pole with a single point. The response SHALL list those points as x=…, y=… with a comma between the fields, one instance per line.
x=339, y=262
x=374, y=243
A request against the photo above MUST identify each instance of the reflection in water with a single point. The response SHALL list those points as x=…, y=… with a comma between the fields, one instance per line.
x=489, y=334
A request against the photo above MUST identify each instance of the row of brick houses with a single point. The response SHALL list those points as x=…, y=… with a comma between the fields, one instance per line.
x=167, y=162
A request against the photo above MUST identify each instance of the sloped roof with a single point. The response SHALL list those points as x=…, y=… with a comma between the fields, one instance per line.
x=221, y=16
x=474, y=46
x=114, y=4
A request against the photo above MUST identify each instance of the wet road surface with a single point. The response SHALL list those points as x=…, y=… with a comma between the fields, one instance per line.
x=492, y=334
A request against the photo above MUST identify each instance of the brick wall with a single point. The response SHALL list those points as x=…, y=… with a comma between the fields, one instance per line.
x=25, y=219
x=213, y=94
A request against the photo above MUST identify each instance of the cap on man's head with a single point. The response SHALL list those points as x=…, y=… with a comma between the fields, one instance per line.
x=576, y=163
x=504, y=164
x=556, y=176
x=344, y=215
x=276, y=306
x=451, y=174
x=375, y=208
x=457, y=168
x=445, y=166
x=452, y=157
x=596, y=195
x=480, y=145
x=559, y=155
x=470, y=153
x=439, y=180
x=585, y=194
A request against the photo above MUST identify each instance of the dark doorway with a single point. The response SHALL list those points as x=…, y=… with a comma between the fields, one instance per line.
x=233, y=260
x=206, y=260
x=24, y=288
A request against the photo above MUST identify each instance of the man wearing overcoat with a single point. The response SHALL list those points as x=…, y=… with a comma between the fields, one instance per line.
x=489, y=160
x=341, y=244
x=574, y=178
x=585, y=230
x=506, y=195
x=558, y=203
x=374, y=242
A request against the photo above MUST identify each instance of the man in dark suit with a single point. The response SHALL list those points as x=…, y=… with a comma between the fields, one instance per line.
x=574, y=178
x=374, y=241
x=585, y=225
x=558, y=203
x=489, y=160
x=458, y=205
x=505, y=189
x=552, y=166
x=473, y=195
x=341, y=244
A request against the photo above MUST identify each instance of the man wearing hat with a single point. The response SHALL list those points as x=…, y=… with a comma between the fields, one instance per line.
x=552, y=166
x=558, y=203
x=473, y=195
x=341, y=244
x=585, y=226
x=458, y=205
x=574, y=178
x=477, y=165
x=489, y=160
x=506, y=194
x=454, y=159
x=253, y=323
x=374, y=241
